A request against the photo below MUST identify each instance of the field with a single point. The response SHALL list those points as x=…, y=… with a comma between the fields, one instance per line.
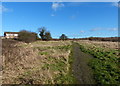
x=36, y=63
x=60, y=62
x=105, y=64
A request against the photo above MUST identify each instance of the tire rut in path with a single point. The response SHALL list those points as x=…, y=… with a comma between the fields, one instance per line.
x=81, y=70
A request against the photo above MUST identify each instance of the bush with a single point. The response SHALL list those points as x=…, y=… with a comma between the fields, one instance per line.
x=48, y=36
x=27, y=36
x=63, y=37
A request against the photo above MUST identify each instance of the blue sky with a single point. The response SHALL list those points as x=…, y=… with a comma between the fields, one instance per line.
x=75, y=19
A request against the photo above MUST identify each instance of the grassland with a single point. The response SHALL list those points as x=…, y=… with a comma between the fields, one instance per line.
x=105, y=63
x=37, y=63
x=52, y=62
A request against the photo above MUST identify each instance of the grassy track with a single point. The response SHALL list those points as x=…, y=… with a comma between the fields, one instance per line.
x=81, y=70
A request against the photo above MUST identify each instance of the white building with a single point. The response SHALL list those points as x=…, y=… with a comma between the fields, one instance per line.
x=11, y=35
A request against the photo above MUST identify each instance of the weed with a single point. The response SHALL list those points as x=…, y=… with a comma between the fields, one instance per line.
x=43, y=53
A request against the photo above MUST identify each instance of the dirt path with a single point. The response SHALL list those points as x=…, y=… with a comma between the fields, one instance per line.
x=81, y=70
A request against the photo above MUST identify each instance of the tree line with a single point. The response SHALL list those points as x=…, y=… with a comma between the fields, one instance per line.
x=43, y=34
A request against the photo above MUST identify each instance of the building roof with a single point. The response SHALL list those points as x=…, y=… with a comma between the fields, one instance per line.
x=11, y=32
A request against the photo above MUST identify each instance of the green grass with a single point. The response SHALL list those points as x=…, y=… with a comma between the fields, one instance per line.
x=67, y=78
x=65, y=47
x=41, y=48
x=43, y=53
x=60, y=65
x=104, y=65
x=56, y=64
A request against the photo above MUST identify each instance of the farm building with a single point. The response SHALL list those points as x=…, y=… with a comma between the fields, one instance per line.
x=11, y=35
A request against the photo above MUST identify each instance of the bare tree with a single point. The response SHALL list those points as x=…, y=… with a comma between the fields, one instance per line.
x=45, y=35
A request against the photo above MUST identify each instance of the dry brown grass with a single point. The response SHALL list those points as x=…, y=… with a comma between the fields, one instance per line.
x=102, y=44
x=26, y=63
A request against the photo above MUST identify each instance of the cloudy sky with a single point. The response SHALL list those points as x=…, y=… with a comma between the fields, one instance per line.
x=75, y=19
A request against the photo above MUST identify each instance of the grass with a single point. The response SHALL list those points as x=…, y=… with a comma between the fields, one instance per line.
x=50, y=63
x=62, y=66
x=36, y=63
x=43, y=53
x=104, y=65
x=57, y=65
x=23, y=45
x=66, y=78
x=66, y=47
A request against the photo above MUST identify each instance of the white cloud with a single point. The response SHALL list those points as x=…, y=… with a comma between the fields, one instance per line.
x=74, y=4
x=95, y=29
x=103, y=29
x=82, y=31
x=99, y=33
x=57, y=5
x=52, y=14
x=113, y=29
x=115, y=4
x=73, y=17
x=4, y=9
x=0, y=9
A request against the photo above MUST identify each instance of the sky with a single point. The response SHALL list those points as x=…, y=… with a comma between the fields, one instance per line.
x=74, y=19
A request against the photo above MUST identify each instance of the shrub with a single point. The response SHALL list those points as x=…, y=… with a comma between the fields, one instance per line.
x=48, y=36
x=27, y=36
x=63, y=37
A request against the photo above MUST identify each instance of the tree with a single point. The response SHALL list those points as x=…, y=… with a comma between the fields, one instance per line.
x=45, y=35
x=27, y=36
x=42, y=31
x=48, y=36
x=63, y=37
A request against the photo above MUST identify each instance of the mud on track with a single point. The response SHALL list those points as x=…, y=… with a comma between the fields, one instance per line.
x=80, y=67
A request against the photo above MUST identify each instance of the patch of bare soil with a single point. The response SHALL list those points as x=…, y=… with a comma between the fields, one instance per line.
x=81, y=70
